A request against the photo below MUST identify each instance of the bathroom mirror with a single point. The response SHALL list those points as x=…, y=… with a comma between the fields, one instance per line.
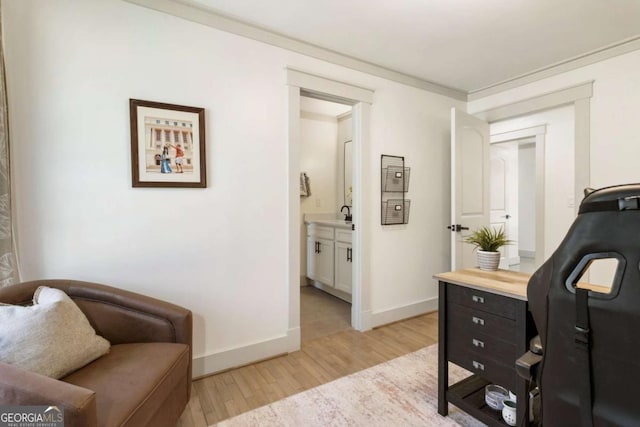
x=348, y=173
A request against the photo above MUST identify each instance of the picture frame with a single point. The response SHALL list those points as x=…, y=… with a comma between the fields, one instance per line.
x=167, y=145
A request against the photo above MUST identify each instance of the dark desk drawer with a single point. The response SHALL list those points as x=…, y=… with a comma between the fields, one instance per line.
x=484, y=301
x=493, y=371
x=461, y=318
x=466, y=341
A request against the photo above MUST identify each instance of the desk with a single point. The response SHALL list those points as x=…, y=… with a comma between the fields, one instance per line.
x=484, y=326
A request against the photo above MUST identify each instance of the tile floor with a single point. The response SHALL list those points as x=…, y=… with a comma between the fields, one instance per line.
x=322, y=314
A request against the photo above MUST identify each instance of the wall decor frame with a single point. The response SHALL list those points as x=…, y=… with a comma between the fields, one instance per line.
x=167, y=145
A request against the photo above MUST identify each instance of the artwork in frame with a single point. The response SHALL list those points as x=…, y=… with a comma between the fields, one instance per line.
x=167, y=145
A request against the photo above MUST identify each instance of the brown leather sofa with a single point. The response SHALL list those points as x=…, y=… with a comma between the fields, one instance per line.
x=144, y=380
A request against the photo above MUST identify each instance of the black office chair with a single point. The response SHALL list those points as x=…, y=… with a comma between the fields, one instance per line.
x=588, y=362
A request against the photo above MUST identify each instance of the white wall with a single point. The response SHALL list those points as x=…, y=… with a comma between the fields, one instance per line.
x=318, y=158
x=559, y=168
x=614, y=113
x=415, y=125
x=527, y=197
x=72, y=66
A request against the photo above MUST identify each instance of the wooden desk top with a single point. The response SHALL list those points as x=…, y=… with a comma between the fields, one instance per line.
x=502, y=282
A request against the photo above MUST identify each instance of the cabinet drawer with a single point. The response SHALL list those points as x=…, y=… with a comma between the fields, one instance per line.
x=489, y=369
x=487, y=346
x=485, y=301
x=343, y=235
x=461, y=318
x=320, y=232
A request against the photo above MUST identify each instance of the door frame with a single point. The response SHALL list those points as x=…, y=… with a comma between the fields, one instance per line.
x=537, y=135
x=580, y=97
x=360, y=99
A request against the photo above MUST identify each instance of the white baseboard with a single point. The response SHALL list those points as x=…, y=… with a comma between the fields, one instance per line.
x=240, y=356
x=403, y=312
x=526, y=254
x=333, y=291
x=366, y=321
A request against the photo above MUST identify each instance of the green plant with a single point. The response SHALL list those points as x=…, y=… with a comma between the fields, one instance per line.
x=488, y=239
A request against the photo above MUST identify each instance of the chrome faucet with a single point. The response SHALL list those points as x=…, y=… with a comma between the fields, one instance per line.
x=347, y=217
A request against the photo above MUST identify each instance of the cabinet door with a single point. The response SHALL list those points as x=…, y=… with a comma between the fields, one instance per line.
x=324, y=262
x=343, y=262
x=311, y=258
x=320, y=260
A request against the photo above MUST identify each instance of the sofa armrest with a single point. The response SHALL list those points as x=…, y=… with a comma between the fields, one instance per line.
x=20, y=387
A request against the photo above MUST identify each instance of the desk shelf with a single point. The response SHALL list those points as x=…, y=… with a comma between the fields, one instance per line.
x=468, y=395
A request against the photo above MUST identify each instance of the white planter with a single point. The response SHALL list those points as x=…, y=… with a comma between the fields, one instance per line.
x=488, y=261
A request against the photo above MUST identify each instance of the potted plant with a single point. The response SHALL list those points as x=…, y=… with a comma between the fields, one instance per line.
x=487, y=241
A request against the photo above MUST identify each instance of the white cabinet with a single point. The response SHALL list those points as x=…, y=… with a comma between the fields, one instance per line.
x=343, y=260
x=320, y=260
x=343, y=266
x=320, y=254
x=329, y=259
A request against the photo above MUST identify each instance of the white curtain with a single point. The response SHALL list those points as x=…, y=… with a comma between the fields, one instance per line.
x=8, y=270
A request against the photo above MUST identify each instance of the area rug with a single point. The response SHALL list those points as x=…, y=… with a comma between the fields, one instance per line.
x=400, y=392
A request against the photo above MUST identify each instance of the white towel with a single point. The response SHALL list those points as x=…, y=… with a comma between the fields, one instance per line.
x=305, y=189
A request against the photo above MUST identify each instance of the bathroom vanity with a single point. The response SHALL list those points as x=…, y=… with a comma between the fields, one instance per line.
x=330, y=256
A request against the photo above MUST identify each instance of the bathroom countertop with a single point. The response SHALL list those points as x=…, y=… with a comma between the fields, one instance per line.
x=337, y=223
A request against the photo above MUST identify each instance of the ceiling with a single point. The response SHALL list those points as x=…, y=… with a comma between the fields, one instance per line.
x=466, y=45
x=326, y=108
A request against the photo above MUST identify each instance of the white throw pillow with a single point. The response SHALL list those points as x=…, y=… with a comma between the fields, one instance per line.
x=52, y=337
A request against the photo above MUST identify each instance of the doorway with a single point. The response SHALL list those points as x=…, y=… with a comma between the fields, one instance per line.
x=326, y=166
x=567, y=169
x=512, y=201
x=567, y=164
x=360, y=99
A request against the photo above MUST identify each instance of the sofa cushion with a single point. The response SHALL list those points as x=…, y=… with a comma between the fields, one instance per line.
x=52, y=337
x=134, y=380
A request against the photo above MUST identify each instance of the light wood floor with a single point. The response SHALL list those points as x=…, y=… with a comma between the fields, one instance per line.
x=319, y=361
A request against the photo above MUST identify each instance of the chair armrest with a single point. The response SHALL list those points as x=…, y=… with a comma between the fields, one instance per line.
x=535, y=345
x=20, y=387
x=527, y=364
x=119, y=316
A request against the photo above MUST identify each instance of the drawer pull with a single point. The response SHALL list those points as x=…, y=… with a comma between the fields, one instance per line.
x=479, y=366
x=477, y=321
x=478, y=343
x=479, y=300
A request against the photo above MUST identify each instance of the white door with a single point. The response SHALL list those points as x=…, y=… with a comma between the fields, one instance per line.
x=503, y=197
x=469, y=184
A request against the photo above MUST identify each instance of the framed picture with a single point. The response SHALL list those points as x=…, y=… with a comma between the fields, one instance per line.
x=167, y=145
